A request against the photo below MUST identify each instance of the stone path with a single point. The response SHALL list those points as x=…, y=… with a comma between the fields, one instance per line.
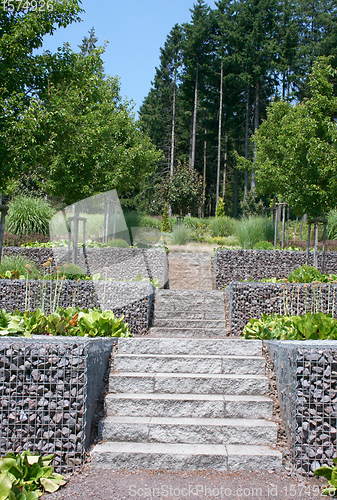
x=190, y=271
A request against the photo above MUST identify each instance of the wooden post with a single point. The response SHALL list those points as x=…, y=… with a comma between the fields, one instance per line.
x=308, y=243
x=324, y=247
x=316, y=244
x=283, y=223
x=276, y=224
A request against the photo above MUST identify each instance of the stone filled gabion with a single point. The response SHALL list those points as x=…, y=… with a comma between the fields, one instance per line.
x=114, y=263
x=307, y=388
x=251, y=300
x=237, y=265
x=47, y=403
x=134, y=300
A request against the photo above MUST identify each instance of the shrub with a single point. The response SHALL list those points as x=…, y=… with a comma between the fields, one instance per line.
x=264, y=245
x=29, y=215
x=332, y=225
x=251, y=230
x=220, y=208
x=180, y=235
x=194, y=223
x=222, y=226
x=150, y=222
x=119, y=243
x=17, y=265
x=165, y=222
x=306, y=274
x=71, y=271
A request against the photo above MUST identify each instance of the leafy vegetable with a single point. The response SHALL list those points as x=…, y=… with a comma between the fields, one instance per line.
x=25, y=475
x=307, y=327
x=330, y=473
x=72, y=321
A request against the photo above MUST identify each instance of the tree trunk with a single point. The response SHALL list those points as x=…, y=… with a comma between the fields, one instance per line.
x=194, y=123
x=246, y=145
x=256, y=126
x=173, y=124
x=225, y=167
x=235, y=207
x=219, y=140
x=204, y=178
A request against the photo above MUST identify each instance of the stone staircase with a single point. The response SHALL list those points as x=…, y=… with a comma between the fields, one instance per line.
x=188, y=403
x=189, y=313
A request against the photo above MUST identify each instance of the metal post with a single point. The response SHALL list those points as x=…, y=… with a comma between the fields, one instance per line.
x=76, y=228
x=295, y=229
x=69, y=239
x=288, y=215
x=115, y=221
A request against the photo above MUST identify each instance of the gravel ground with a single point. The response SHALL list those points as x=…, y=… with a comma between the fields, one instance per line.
x=205, y=485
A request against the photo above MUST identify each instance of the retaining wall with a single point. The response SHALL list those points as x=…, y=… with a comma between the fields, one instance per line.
x=306, y=377
x=251, y=300
x=114, y=263
x=237, y=265
x=134, y=300
x=49, y=388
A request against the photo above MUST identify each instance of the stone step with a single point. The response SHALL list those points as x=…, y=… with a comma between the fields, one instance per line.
x=188, y=332
x=188, y=323
x=221, y=347
x=177, y=363
x=188, y=314
x=188, y=430
x=188, y=294
x=188, y=405
x=177, y=457
x=187, y=383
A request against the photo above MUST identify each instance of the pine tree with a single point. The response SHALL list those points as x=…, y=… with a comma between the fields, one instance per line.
x=165, y=222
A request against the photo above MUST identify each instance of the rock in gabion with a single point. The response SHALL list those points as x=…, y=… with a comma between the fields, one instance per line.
x=48, y=390
x=251, y=300
x=237, y=265
x=306, y=376
x=134, y=300
x=114, y=263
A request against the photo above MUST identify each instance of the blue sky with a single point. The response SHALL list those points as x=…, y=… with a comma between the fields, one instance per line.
x=135, y=29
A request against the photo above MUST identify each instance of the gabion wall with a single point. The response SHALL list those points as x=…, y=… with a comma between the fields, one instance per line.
x=115, y=263
x=306, y=376
x=48, y=390
x=134, y=300
x=251, y=300
x=236, y=265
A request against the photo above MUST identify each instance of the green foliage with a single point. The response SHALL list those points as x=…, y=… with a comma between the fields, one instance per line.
x=18, y=265
x=116, y=243
x=183, y=191
x=296, y=152
x=226, y=241
x=29, y=215
x=220, y=208
x=251, y=230
x=66, y=322
x=264, y=245
x=252, y=205
x=332, y=225
x=222, y=226
x=307, y=327
x=146, y=221
x=165, y=223
x=71, y=272
x=26, y=475
x=306, y=274
x=330, y=473
x=180, y=235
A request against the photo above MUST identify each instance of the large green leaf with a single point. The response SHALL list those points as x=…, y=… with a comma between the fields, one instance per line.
x=5, y=486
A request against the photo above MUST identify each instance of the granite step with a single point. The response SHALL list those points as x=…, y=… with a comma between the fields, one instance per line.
x=173, y=322
x=188, y=332
x=177, y=457
x=188, y=430
x=188, y=405
x=178, y=363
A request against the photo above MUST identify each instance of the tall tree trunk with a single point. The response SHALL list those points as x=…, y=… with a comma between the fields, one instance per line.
x=204, y=178
x=219, y=139
x=246, y=144
x=225, y=167
x=256, y=126
x=235, y=207
x=173, y=124
x=194, y=124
